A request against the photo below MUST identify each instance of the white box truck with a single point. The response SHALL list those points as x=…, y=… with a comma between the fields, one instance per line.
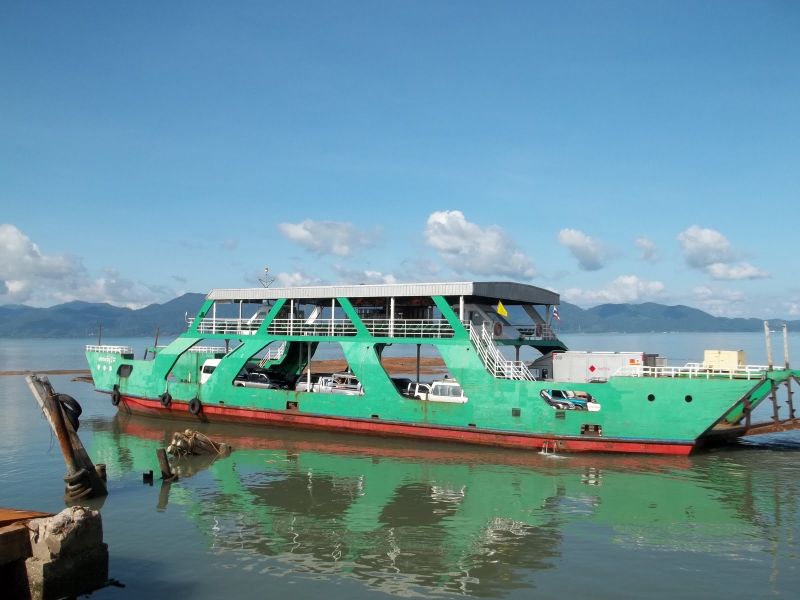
x=582, y=367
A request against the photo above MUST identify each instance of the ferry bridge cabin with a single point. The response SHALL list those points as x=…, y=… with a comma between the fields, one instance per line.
x=274, y=333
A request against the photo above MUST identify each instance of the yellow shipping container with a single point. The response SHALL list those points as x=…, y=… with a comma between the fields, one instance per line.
x=723, y=360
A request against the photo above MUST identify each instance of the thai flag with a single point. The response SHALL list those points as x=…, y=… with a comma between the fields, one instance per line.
x=555, y=313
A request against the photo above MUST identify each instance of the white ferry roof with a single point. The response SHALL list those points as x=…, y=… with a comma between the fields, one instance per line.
x=507, y=291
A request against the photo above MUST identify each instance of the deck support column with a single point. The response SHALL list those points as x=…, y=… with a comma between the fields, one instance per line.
x=308, y=367
x=391, y=316
x=461, y=308
x=418, y=348
x=291, y=316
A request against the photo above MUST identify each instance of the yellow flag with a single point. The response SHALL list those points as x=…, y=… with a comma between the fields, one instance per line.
x=501, y=310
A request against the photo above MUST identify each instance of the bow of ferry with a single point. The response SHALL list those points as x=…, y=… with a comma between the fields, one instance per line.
x=477, y=328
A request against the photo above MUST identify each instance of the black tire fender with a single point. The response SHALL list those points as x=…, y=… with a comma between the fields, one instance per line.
x=75, y=477
x=72, y=410
x=166, y=400
x=70, y=404
x=195, y=406
x=79, y=495
x=115, y=396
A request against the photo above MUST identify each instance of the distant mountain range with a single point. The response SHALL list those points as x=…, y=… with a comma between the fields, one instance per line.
x=83, y=319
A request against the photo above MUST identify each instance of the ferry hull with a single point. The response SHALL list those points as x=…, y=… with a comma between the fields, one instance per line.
x=298, y=420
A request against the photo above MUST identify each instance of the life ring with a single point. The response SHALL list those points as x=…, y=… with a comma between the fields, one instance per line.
x=498, y=328
x=195, y=406
x=166, y=400
x=116, y=396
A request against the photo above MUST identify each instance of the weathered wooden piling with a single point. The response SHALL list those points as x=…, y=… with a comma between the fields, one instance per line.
x=163, y=463
x=789, y=392
x=82, y=479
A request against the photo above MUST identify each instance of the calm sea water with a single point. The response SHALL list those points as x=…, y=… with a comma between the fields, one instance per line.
x=308, y=514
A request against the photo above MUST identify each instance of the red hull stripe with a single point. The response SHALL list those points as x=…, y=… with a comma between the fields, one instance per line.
x=220, y=413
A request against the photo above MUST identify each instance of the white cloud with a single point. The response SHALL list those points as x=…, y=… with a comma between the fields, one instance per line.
x=328, y=237
x=469, y=248
x=592, y=254
x=703, y=247
x=741, y=270
x=626, y=288
x=32, y=277
x=22, y=259
x=366, y=276
x=717, y=301
x=712, y=253
x=295, y=279
x=647, y=248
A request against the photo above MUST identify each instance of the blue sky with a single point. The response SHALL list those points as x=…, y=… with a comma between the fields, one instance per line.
x=610, y=151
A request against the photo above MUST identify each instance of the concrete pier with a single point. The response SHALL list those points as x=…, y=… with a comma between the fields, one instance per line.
x=53, y=556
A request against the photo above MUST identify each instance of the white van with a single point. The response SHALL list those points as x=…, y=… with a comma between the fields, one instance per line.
x=208, y=368
x=446, y=390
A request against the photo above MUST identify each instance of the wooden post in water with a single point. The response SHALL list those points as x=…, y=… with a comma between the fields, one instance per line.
x=769, y=345
x=163, y=463
x=789, y=401
x=83, y=480
x=773, y=396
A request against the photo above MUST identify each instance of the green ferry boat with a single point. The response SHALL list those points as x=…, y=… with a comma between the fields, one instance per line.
x=248, y=356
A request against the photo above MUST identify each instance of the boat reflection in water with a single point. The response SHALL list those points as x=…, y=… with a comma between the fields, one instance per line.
x=402, y=517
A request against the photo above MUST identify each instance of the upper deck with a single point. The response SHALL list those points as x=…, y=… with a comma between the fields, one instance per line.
x=401, y=310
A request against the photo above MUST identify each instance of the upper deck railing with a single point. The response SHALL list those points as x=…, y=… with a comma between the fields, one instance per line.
x=229, y=326
x=420, y=328
x=540, y=331
x=319, y=327
x=693, y=371
x=109, y=349
x=390, y=328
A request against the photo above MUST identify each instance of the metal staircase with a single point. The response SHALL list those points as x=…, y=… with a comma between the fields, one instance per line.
x=497, y=364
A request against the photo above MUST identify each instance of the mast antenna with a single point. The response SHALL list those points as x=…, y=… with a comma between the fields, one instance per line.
x=267, y=280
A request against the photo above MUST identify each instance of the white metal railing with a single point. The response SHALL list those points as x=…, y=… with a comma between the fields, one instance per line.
x=693, y=371
x=540, y=331
x=109, y=349
x=497, y=364
x=206, y=349
x=422, y=328
x=329, y=327
x=427, y=328
x=229, y=326
x=273, y=354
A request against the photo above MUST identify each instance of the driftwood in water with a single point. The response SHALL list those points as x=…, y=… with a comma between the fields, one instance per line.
x=194, y=442
x=82, y=479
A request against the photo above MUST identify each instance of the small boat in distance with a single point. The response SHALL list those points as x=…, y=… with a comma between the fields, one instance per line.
x=247, y=357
